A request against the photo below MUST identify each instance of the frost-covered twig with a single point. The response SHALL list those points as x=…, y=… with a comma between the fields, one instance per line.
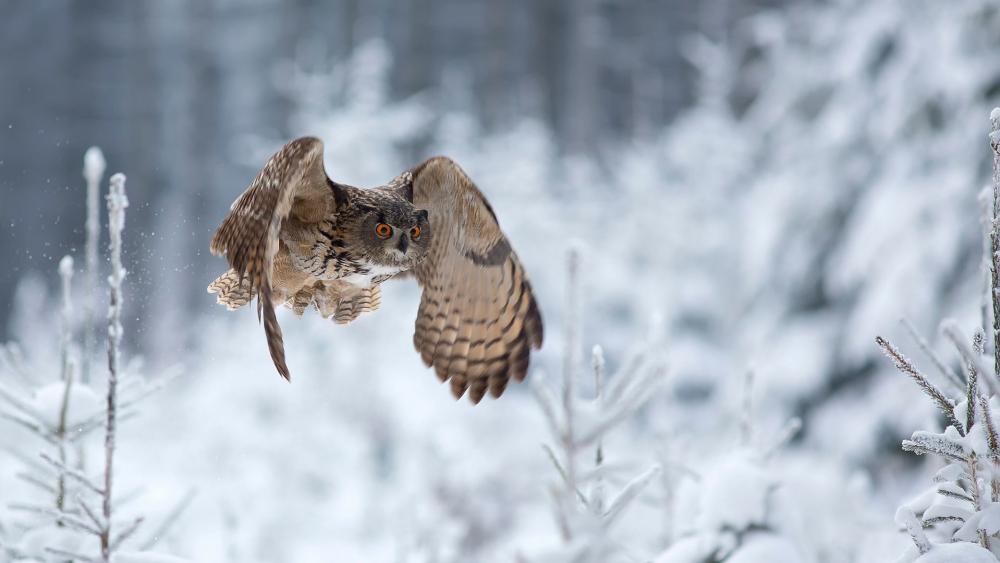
x=913, y=526
x=66, y=312
x=117, y=202
x=904, y=365
x=995, y=239
x=570, y=363
x=575, y=427
x=967, y=490
x=746, y=413
x=77, y=476
x=13, y=359
x=60, y=516
x=93, y=171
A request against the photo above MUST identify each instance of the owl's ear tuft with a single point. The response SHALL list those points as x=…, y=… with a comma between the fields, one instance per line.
x=422, y=213
x=340, y=194
x=405, y=190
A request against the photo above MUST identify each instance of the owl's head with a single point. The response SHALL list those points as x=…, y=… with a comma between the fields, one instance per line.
x=385, y=228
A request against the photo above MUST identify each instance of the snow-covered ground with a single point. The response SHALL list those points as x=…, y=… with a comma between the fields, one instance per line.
x=777, y=238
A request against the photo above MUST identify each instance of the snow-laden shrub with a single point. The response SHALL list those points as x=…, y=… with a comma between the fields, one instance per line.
x=963, y=505
x=66, y=500
x=585, y=504
x=734, y=506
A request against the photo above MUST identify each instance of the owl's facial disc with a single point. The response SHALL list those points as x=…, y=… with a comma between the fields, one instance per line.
x=397, y=235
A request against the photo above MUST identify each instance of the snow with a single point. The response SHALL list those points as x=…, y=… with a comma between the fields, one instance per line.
x=83, y=403
x=766, y=548
x=735, y=495
x=66, y=266
x=145, y=557
x=93, y=165
x=786, y=234
x=956, y=553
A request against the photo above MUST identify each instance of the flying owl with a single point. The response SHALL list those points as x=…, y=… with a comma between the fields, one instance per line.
x=297, y=238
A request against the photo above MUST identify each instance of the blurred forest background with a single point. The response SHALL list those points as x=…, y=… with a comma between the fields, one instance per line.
x=760, y=184
x=179, y=89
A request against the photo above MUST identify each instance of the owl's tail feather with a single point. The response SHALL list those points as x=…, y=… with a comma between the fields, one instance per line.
x=231, y=291
x=275, y=342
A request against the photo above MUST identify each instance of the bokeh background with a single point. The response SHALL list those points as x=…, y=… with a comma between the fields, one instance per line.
x=758, y=185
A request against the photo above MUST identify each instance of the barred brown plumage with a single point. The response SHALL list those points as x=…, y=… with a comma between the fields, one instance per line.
x=297, y=238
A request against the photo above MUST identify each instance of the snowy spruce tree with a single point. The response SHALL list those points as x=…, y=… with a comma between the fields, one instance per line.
x=584, y=502
x=957, y=520
x=70, y=510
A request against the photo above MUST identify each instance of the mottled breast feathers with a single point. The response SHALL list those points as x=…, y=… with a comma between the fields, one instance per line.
x=478, y=319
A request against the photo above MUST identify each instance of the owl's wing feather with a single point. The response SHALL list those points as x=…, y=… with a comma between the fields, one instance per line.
x=292, y=182
x=478, y=318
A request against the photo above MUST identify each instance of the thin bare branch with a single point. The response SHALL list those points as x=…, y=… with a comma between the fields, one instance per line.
x=76, y=475
x=117, y=203
x=125, y=534
x=93, y=170
x=617, y=505
x=13, y=359
x=90, y=513
x=562, y=471
x=746, y=412
x=785, y=435
x=548, y=402
x=31, y=479
x=952, y=332
x=22, y=405
x=58, y=516
x=29, y=425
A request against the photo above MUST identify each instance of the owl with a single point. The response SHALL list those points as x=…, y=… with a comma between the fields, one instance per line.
x=297, y=238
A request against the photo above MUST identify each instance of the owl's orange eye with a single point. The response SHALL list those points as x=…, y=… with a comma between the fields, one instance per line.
x=383, y=230
x=415, y=233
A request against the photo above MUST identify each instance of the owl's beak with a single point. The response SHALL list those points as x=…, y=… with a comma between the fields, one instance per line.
x=404, y=243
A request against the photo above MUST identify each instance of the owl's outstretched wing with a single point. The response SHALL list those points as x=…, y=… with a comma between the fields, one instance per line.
x=478, y=318
x=292, y=182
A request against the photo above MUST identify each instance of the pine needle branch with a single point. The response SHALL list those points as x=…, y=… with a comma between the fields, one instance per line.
x=904, y=365
x=995, y=241
x=909, y=520
x=926, y=442
x=628, y=494
x=992, y=440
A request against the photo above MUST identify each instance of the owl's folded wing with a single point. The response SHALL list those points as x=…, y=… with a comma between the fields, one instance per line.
x=292, y=182
x=478, y=318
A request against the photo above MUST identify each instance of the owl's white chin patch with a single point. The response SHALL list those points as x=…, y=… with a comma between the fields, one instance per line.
x=375, y=270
